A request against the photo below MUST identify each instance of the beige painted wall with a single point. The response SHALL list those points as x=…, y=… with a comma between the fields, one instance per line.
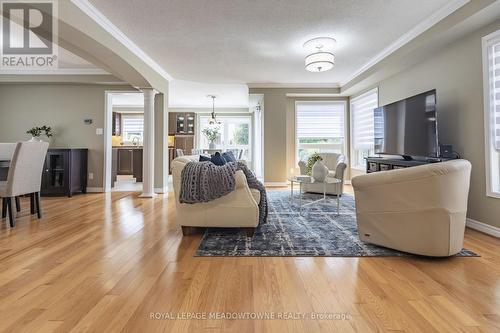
x=456, y=73
x=63, y=107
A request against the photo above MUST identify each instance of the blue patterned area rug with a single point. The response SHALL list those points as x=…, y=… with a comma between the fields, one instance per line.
x=318, y=231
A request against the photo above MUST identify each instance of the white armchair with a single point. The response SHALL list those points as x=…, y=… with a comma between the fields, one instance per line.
x=420, y=210
x=336, y=166
x=238, y=209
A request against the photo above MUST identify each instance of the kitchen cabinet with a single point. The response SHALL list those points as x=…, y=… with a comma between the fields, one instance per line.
x=64, y=172
x=184, y=142
x=125, y=161
x=181, y=123
x=116, y=124
x=129, y=162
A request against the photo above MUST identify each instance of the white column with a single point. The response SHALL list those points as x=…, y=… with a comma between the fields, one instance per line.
x=148, y=162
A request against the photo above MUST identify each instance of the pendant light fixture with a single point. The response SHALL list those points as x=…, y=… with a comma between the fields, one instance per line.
x=320, y=59
x=213, y=119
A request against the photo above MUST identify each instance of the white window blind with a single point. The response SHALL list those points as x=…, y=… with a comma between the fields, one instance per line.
x=495, y=91
x=491, y=73
x=133, y=123
x=363, y=120
x=320, y=119
x=319, y=127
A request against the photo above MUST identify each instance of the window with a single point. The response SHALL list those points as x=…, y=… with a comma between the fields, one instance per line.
x=235, y=134
x=319, y=128
x=132, y=127
x=491, y=73
x=363, y=127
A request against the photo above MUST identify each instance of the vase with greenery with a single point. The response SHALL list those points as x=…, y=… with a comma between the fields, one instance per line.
x=37, y=132
x=211, y=133
x=310, y=162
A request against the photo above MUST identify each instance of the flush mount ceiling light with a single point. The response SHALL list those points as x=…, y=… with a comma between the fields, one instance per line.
x=321, y=59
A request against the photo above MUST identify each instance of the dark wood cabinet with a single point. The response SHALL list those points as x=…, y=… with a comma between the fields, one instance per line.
x=184, y=142
x=117, y=123
x=128, y=161
x=125, y=161
x=64, y=172
x=137, y=165
x=182, y=123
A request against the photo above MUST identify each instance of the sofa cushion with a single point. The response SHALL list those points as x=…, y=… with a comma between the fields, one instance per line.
x=204, y=158
x=217, y=159
x=229, y=156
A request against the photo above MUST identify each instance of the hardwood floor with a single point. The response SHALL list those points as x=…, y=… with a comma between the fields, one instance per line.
x=107, y=262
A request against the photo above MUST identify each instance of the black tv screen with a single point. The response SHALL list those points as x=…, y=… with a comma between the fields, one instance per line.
x=408, y=127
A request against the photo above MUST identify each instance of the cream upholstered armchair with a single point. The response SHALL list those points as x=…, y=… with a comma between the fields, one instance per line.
x=336, y=165
x=420, y=210
x=238, y=209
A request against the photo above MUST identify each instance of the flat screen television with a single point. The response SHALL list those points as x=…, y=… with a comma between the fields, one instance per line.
x=408, y=127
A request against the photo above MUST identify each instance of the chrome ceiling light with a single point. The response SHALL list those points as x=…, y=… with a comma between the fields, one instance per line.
x=213, y=119
x=321, y=59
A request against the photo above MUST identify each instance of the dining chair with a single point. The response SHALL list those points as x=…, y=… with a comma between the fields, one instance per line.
x=24, y=177
x=6, y=152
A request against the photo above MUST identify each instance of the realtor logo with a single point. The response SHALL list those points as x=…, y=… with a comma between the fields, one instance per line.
x=28, y=30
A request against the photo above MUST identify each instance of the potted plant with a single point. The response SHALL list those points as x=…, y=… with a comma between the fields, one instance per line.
x=211, y=133
x=36, y=132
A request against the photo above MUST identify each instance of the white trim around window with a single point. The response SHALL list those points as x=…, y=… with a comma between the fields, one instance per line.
x=491, y=87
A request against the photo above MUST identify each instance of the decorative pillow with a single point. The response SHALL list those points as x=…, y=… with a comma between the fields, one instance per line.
x=229, y=156
x=204, y=158
x=217, y=159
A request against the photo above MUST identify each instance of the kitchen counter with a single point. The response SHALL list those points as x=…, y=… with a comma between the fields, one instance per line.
x=127, y=147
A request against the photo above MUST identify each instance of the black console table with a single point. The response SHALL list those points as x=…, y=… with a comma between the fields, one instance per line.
x=375, y=164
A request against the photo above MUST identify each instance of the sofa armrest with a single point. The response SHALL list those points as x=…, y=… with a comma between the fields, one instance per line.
x=412, y=174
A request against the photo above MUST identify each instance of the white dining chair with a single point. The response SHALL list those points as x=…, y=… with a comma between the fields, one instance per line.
x=24, y=177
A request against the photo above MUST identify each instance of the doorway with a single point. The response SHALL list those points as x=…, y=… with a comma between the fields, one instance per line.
x=124, y=134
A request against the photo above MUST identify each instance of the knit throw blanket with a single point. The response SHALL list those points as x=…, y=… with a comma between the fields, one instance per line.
x=205, y=181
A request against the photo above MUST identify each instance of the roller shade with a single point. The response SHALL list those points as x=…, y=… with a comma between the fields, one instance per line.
x=320, y=119
x=133, y=123
x=363, y=121
x=495, y=92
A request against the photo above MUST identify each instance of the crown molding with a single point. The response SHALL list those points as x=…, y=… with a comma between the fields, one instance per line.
x=312, y=95
x=416, y=31
x=293, y=85
x=106, y=24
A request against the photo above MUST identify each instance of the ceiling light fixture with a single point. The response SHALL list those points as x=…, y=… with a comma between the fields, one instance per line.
x=322, y=59
x=213, y=119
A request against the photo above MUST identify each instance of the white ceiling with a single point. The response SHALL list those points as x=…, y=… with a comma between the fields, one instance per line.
x=188, y=94
x=260, y=41
x=127, y=99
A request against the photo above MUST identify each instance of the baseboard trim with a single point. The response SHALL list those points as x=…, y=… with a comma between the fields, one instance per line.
x=271, y=184
x=94, y=190
x=161, y=189
x=483, y=227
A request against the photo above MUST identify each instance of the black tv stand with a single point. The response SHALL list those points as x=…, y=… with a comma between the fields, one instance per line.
x=375, y=164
